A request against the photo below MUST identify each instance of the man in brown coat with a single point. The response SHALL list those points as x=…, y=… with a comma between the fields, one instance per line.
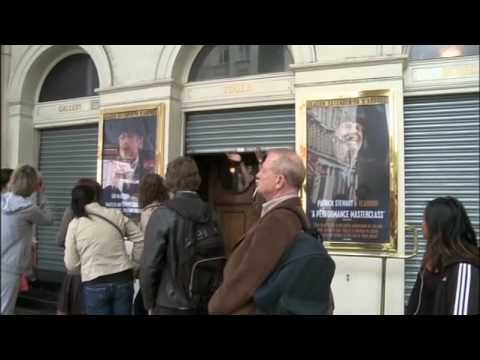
x=258, y=252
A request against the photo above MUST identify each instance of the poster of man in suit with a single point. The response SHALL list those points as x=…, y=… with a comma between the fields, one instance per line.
x=348, y=169
x=128, y=154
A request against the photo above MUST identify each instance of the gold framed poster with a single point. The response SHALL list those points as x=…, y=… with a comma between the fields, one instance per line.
x=131, y=143
x=351, y=173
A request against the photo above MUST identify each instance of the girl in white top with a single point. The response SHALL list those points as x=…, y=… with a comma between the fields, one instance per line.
x=95, y=246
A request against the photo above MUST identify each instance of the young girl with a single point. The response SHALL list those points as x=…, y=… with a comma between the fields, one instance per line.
x=95, y=245
x=70, y=299
x=448, y=282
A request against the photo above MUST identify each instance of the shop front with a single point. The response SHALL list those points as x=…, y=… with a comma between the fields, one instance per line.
x=380, y=133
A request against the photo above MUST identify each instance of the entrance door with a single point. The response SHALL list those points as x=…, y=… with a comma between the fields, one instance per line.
x=209, y=134
x=229, y=188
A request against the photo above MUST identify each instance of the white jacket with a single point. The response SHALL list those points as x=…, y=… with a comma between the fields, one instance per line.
x=96, y=248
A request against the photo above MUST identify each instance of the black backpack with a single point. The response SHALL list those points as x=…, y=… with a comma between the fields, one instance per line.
x=202, y=258
x=300, y=283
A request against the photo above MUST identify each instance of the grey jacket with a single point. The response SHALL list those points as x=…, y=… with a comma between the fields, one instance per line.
x=19, y=214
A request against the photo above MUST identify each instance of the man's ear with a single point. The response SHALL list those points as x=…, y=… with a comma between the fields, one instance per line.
x=280, y=181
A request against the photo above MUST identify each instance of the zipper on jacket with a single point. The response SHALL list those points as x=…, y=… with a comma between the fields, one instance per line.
x=419, y=294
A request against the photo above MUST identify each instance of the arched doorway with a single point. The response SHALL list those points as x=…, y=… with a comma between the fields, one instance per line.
x=23, y=92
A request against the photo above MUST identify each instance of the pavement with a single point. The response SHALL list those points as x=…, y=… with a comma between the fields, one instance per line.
x=41, y=299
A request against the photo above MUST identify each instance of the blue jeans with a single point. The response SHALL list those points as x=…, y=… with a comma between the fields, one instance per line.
x=109, y=298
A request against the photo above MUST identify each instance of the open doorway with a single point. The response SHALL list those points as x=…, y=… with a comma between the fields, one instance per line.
x=228, y=185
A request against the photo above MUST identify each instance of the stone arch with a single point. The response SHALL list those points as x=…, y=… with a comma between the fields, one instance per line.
x=175, y=61
x=38, y=58
x=22, y=142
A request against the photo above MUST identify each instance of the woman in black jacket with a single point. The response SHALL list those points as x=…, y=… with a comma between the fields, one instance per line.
x=448, y=281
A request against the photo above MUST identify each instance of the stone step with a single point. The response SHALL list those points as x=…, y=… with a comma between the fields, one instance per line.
x=42, y=297
x=30, y=311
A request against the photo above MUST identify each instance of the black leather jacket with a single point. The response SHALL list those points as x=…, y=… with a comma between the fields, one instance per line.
x=164, y=238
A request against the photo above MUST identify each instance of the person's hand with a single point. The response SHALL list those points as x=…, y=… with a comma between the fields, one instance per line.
x=121, y=171
x=234, y=157
x=150, y=311
x=40, y=186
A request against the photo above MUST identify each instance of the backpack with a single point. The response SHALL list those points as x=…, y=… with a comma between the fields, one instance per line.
x=300, y=283
x=201, y=258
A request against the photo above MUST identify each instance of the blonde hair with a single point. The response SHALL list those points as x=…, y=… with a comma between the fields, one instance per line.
x=24, y=181
x=290, y=165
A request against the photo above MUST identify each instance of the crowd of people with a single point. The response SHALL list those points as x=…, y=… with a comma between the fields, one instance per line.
x=174, y=259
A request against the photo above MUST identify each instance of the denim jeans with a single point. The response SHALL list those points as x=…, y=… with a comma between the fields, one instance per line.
x=109, y=298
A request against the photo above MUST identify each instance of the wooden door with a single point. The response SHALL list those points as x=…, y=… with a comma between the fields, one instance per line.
x=237, y=210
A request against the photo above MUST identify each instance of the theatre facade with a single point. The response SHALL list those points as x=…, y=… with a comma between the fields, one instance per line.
x=382, y=130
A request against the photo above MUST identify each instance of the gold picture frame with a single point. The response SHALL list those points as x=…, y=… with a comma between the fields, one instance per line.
x=131, y=139
x=352, y=172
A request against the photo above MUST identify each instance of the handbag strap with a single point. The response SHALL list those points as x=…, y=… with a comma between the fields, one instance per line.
x=153, y=206
x=111, y=223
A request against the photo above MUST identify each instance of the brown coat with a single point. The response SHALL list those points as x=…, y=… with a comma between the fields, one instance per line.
x=254, y=258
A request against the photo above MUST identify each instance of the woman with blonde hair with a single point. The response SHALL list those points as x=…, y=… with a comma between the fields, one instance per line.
x=19, y=213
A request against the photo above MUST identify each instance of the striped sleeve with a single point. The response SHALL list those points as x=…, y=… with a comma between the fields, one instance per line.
x=466, y=295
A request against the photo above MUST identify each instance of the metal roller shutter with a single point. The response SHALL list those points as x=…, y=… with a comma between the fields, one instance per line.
x=221, y=131
x=441, y=158
x=66, y=154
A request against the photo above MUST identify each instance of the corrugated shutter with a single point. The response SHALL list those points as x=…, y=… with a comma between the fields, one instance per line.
x=221, y=131
x=441, y=159
x=66, y=154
